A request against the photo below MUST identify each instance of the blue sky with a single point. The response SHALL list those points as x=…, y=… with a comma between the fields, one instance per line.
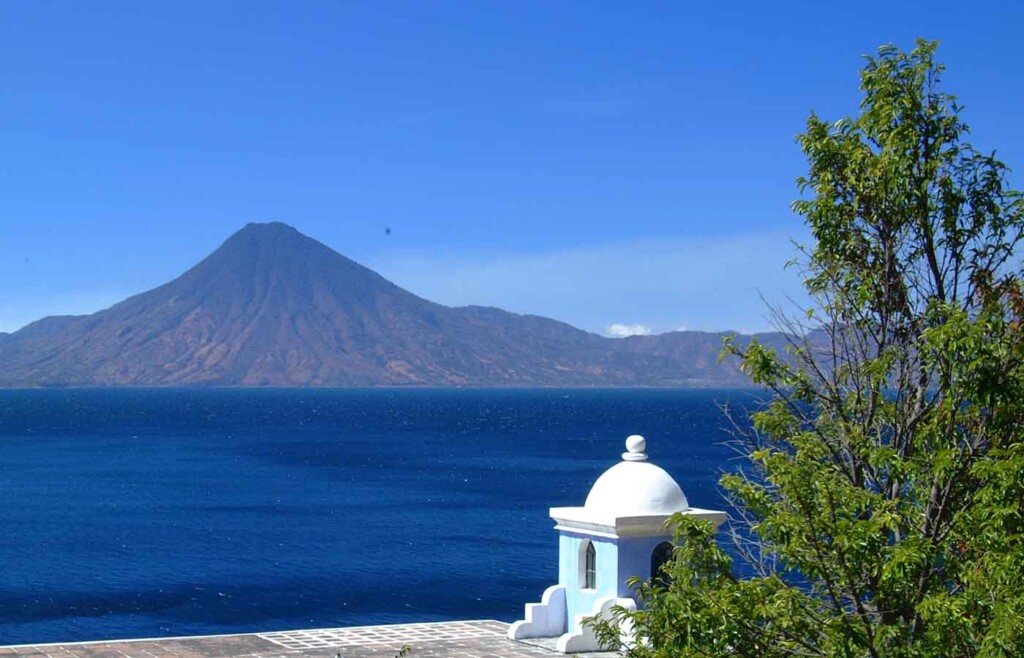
x=603, y=163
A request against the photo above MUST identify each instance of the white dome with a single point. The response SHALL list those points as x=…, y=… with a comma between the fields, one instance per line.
x=635, y=487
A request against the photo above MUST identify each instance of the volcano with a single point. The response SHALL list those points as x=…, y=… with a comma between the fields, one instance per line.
x=273, y=307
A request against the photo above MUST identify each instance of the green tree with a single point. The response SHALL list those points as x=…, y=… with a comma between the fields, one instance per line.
x=881, y=510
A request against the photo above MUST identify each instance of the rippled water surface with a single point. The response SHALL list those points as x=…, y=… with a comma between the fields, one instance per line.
x=140, y=513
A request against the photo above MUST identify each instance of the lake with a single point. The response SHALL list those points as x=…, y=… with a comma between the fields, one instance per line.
x=143, y=513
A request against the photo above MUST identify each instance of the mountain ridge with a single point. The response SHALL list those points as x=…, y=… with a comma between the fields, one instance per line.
x=274, y=307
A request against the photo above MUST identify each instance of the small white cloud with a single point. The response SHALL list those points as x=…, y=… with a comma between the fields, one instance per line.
x=716, y=282
x=619, y=330
x=681, y=327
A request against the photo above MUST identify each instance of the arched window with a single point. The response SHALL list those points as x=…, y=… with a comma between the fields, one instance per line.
x=661, y=556
x=588, y=565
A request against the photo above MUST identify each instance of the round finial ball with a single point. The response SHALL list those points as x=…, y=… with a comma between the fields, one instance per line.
x=636, y=444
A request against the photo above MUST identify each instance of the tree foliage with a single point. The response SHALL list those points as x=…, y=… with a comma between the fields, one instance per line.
x=881, y=512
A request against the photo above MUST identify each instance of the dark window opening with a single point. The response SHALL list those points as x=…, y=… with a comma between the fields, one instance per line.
x=590, y=567
x=661, y=556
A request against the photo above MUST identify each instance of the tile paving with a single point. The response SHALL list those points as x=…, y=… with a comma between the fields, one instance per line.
x=456, y=639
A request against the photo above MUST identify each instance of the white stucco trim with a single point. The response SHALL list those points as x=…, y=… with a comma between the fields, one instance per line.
x=590, y=522
x=595, y=531
x=544, y=619
x=584, y=640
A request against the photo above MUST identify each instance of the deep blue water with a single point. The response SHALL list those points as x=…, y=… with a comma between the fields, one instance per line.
x=141, y=513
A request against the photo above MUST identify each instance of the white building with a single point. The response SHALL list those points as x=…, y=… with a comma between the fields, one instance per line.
x=618, y=534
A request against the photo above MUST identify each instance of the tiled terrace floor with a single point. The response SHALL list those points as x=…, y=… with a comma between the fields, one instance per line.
x=457, y=639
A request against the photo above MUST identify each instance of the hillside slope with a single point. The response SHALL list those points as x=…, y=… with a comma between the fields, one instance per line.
x=272, y=307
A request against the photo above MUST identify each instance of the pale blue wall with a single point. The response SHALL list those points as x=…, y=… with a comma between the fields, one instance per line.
x=579, y=600
x=618, y=560
x=635, y=558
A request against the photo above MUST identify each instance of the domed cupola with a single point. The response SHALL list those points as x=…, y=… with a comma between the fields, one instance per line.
x=635, y=486
x=619, y=533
